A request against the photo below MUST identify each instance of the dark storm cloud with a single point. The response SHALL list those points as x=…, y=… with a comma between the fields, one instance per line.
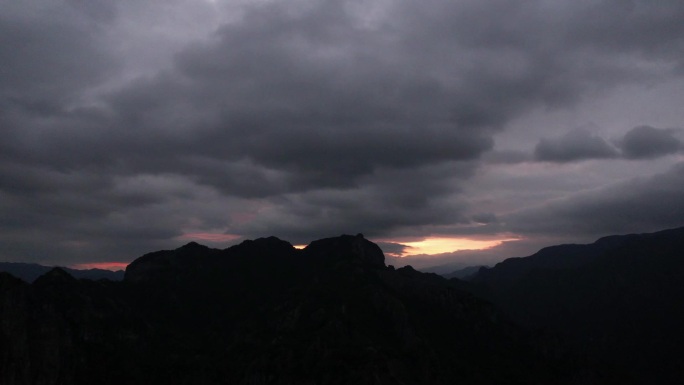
x=322, y=102
x=484, y=218
x=645, y=142
x=573, y=146
x=390, y=200
x=506, y=157
x=49, y=54
x=79, y=216
x=299, y=119
x=98, y=10
x=632, y=26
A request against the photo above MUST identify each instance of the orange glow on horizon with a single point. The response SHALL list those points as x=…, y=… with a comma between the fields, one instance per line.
x=438, y=245
x=113, y=266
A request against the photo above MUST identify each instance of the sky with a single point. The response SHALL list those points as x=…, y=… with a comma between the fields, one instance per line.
x=450, y=132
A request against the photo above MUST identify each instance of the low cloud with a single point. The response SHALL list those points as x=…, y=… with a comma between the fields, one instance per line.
x=646, y=142
x=642, y=142
x=392, y=249
x=639, y=205
x=484, y=218
x=574, y=146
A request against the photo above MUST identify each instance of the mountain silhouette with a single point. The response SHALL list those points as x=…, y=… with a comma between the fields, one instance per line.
x=263, y=312
x=29, y=272
x=620, y=300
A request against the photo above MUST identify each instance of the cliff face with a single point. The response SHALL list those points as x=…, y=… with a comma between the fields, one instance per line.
x=263, y=312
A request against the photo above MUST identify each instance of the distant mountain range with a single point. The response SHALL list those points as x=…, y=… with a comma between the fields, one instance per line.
x=464, y=273
x=29, y=272
x=263, y=312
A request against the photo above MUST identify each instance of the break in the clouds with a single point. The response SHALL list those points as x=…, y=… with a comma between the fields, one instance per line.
x=126, y=126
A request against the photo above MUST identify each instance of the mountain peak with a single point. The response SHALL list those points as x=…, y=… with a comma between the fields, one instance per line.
x=193, y=245
x=55, y=276
x=173, y=264
x=261, y=246
x=355, y=248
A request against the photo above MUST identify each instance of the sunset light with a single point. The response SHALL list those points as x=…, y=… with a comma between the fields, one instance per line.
x=440, y=245
x=113, y=266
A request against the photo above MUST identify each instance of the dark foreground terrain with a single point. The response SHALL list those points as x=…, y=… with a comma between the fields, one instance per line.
x=263, y=312
x=620, y=301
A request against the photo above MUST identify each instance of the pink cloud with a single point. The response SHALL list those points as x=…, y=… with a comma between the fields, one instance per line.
x=113, y=266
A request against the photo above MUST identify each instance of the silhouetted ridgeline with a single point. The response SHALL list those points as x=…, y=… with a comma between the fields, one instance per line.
x=620, y=299
x=263, y=312
x=29, y=272
x=465, y=273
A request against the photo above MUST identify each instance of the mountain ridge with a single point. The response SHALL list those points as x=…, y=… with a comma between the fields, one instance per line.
x=564, y=256
x=29, y=272
x=263, y=312
x=620, y=299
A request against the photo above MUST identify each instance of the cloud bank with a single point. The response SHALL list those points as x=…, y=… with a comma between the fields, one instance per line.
x=127, y=125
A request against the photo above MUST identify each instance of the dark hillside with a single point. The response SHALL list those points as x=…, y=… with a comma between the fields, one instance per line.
x=622, y=301
x=263, y=312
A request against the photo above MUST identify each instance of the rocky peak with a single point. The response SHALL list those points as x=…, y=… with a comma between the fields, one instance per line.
x=259, y=254
x=354, y=248
x=193, y=246
x=263, y=246
x=167, y=264
x=193, y=258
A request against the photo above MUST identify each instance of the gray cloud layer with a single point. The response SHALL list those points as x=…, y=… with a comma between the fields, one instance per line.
x=576, y=145
x=648, y=142
x=641, y=142
x=639, y=205
x=124, y=126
